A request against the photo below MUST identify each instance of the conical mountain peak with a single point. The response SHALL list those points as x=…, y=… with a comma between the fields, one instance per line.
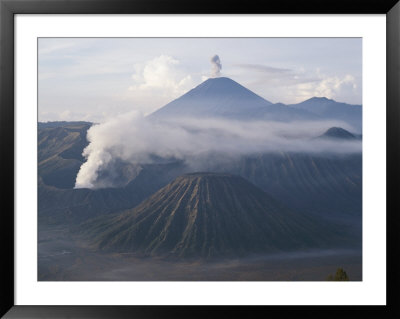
x=224, y=85
x=215, y=97
x=207, y=215
x=225, y=98
x=338, y=133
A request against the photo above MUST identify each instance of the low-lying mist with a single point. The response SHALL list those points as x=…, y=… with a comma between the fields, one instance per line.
x=132, y=139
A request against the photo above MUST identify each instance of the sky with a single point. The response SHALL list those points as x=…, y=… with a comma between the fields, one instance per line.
x=96, y=79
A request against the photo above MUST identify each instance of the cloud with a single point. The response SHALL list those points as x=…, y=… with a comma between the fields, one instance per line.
x=156, y=82
x=66, y=115
x=163, y=75
x=50, y=47
x=131, y=139
x=264, y=68
x=296, y=85
x=331, y=87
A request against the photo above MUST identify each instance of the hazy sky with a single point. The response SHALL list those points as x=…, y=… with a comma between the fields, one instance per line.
x=95, y=79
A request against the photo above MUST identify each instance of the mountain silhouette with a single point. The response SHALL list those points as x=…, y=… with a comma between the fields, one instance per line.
x=225, y=98
x=327, y=109
x=338, y=133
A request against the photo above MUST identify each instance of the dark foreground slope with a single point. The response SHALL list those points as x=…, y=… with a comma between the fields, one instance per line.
x=210, y=215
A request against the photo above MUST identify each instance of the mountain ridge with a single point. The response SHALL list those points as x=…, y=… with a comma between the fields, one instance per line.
x=225, y=98
x=328, y=109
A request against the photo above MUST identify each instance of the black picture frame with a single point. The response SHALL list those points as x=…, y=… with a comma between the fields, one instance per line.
x=8, y=8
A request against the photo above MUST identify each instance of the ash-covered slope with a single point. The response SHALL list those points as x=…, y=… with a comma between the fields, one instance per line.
x=209, y=215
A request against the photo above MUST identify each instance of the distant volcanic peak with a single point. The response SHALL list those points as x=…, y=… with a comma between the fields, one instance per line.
x=220, y=79
x=338, y=133
x=320, y=99
x=326, y=101
x=223, y=86
x=215, y=97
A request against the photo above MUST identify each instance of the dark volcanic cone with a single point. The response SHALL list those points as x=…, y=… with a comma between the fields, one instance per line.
x=338, y=133
x=208, y=215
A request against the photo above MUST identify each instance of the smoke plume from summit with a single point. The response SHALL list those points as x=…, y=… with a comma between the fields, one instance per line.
x=216, y=66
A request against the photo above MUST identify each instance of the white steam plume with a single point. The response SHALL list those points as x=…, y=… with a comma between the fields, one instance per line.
x=216, y=66
x=131, y=139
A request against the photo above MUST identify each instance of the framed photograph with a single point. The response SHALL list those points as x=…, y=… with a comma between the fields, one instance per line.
x=163, y=158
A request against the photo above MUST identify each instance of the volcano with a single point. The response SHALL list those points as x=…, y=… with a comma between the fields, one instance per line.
x=223, y=97
x=209, y=215
x=328, y=109
x=338, y=133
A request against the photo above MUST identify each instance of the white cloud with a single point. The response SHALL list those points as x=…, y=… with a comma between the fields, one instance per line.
x=296, y=85
x=134, y=140
x=338, y=88
x=49, y=47
x=331, y=87
x=161, y=74
x=156, y=82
